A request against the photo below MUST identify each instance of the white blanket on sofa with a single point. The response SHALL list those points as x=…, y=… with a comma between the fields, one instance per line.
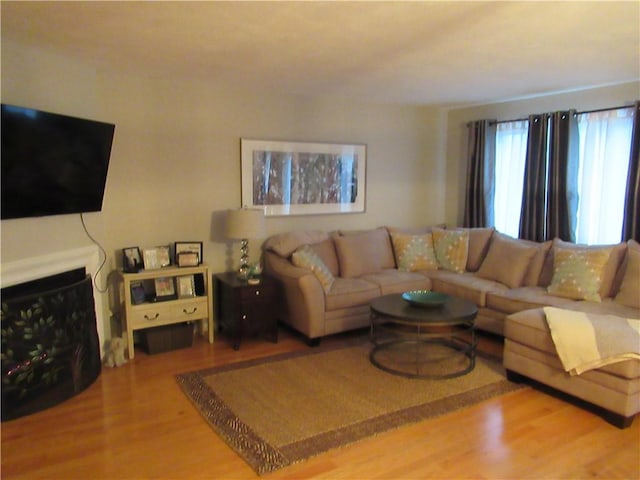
x=585, y=341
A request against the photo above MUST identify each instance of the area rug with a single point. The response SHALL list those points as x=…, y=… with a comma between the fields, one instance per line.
x=283, y=409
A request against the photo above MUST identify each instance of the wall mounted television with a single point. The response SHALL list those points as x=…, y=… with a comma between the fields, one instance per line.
x=52, y=164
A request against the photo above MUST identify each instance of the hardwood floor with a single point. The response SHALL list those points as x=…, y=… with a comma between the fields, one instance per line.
x=134, y=422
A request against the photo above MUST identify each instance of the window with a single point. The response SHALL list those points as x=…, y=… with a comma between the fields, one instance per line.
x=605, y=140
x=511, y=151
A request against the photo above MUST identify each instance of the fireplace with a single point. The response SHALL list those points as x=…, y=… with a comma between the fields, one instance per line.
x=50, y=341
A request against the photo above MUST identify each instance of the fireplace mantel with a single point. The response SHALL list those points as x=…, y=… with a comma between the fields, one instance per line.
x=33, y=268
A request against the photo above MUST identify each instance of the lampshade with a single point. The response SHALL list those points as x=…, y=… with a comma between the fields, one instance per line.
x=245, y=223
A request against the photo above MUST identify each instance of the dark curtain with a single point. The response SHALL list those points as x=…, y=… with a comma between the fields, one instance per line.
x=562, y=185
x=532, y=216
x=480, y=190
x=631, y=222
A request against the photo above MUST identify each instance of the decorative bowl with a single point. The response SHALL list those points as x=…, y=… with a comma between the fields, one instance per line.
x=425, y=298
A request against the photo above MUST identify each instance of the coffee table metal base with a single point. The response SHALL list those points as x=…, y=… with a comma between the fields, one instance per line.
x=415, y=342
x=418, y=363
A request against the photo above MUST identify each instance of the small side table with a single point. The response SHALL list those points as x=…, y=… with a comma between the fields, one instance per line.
x=243, y=309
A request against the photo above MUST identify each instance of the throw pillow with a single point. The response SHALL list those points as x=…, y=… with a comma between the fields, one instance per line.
x=414, y=252
x=305, y=257
x=452, y=248
x=629, y=293
x=608, y=287
x=577, y=273
x=507, y=260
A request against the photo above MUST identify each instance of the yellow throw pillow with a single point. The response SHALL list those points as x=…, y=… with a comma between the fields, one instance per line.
x=305, y=257
x=452, y=249
x=577, y=273
x=414, y=252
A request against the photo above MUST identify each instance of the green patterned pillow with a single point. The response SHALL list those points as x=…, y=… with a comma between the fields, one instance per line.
x=414, y=252
x=305, y=257
x=577, y=273
x=452, y=248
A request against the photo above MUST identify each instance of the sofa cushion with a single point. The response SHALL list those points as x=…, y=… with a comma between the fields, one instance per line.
x=479, y=241
x=305, y=257
x=577, y=273
x=629, y=293
x=414, y=252
x=534, y=272
x=452, y=249
x=350, y=292
x=396, y=281
x=608, y=306
x=523, y=298
x=284, y=244
x=530, y=328
x=326, y=250
x=507, y=260
x=364, y=252
x=466, y=285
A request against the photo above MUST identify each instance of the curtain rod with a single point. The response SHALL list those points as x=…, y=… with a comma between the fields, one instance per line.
x=577, y=113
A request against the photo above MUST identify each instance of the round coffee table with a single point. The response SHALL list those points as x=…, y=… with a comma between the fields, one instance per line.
x=423, y=342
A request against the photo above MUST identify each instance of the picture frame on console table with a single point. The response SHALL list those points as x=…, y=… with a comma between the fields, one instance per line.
x=156, y=257
x=185, y=251
x=165, y=289
x=303, y=178
x=186, y=286
x=131, y=260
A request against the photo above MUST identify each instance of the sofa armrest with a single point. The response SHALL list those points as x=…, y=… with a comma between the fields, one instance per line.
x=303, y=295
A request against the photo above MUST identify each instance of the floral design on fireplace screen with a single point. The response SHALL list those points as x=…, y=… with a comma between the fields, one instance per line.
x=300, y=178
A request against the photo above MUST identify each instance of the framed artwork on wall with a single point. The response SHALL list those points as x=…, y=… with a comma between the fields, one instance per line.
x=302, y=178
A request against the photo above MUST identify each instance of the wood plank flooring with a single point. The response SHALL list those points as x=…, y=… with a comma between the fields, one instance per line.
x=135, y=423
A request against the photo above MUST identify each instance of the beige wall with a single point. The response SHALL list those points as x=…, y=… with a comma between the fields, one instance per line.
x=590, y=99
x=175, y=162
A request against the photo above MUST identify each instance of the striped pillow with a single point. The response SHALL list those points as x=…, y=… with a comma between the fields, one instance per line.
x=305, y=257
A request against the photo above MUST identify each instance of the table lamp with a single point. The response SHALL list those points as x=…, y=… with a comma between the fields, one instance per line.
x=243, y=224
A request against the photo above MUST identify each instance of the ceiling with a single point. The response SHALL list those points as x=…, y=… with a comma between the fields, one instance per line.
x=427, y=53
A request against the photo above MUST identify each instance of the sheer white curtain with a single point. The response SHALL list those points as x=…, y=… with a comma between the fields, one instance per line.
x=511, y=150
x=605, y=140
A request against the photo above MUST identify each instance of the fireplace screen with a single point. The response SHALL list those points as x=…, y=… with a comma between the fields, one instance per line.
x=50, y=347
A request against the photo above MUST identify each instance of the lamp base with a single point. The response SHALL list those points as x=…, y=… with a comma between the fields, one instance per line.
x=243, y=271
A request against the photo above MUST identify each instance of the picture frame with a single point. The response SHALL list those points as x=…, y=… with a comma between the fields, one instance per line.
x=188, y=247
x=138, y=294
x=165, y=289
x=303, y=178
x=186, y=286
x=187, y=259
x=156, y=257
x=131, y=260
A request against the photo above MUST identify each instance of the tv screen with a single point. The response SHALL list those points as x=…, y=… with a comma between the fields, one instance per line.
x=52, y=164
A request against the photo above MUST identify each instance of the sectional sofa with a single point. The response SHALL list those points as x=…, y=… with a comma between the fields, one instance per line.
x=329, y=278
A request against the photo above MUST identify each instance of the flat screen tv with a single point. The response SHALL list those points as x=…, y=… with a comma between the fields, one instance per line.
x=52, y=164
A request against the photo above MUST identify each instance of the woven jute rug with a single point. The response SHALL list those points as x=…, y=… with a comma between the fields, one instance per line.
x=283, y=409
